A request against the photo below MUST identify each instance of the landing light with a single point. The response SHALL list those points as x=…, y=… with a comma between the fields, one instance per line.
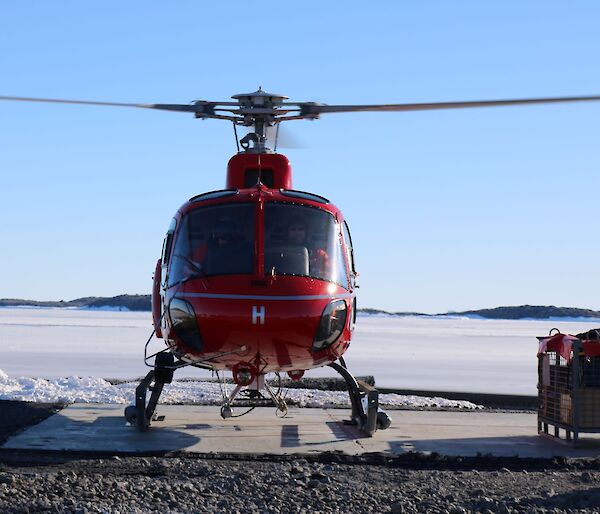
x=296, y=374
x=244, y=373
x=331, y=326
x=185, y=325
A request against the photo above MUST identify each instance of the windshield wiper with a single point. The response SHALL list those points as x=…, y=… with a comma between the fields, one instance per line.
x=197, y=270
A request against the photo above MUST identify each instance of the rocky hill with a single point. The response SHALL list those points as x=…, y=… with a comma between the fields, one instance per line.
x=516, y=312
x=132, y=302
x=532, y=312
x=142, y=302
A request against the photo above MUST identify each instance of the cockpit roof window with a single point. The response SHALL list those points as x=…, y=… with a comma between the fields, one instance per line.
x=211, y=195
x=304, y=195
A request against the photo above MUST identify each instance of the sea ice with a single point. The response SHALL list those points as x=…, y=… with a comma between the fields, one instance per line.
x=431, y=354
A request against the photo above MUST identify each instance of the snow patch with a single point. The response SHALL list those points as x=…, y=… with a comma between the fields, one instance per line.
x=98, y=390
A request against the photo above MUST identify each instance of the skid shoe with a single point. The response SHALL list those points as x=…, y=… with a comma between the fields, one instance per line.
x=366, y=414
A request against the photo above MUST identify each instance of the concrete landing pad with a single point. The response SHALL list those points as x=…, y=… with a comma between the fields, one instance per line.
x=200, y=429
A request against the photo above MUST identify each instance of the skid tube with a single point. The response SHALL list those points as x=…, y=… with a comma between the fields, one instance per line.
x=366, y=414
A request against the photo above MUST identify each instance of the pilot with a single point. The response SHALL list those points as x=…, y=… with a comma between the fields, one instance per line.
x=223, y=234
x=297, y=235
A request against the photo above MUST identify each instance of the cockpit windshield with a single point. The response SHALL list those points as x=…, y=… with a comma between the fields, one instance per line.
x=220, y=240
x=217, y=240
x=303, y=241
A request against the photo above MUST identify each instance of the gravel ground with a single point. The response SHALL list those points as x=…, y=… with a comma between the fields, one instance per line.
x=69, y=483
x=187, y=484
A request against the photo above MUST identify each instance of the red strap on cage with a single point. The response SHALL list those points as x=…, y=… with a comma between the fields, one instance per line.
x=559, y=343
x=563, y=345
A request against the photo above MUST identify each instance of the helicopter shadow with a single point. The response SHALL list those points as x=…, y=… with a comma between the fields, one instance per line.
x=103, y=433
x=339, y=432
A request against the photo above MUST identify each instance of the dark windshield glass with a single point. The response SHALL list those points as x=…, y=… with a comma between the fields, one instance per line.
x=303, y=241
x=216, y=240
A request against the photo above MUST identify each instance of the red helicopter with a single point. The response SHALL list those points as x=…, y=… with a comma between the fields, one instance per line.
x=258, y=277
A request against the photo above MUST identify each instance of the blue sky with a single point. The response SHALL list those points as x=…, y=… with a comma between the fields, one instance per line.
x=449, y=210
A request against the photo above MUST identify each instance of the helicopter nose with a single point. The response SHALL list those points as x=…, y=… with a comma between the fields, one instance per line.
x=271, y=332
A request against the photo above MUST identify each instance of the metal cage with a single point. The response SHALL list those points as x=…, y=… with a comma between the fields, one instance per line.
x=568, y=393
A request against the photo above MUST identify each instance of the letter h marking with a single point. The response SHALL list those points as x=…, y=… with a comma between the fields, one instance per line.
x=258, y=315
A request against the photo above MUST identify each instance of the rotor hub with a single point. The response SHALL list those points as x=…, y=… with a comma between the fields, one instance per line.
x=260, y=99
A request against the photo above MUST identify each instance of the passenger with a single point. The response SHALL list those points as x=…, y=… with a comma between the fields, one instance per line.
x=225, y=233
x=199, y=252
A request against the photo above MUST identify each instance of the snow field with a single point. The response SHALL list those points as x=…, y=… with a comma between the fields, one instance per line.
x=430, y=354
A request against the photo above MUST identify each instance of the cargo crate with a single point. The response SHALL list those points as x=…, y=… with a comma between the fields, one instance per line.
x=569, y=384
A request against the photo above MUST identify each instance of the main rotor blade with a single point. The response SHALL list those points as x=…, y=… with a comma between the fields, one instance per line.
x=315, y=108
x=164, y=107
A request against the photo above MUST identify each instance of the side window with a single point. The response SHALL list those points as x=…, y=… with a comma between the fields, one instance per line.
x=168, y=243
x=341, y=270
x=348, y=241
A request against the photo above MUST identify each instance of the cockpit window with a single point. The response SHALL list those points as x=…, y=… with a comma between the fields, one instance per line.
x=303, y=241
x=217, y=240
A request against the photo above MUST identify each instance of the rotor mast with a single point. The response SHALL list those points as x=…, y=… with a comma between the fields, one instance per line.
x=258, y=110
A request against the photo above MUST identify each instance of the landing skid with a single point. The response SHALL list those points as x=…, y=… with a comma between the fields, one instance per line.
x=142, y=412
